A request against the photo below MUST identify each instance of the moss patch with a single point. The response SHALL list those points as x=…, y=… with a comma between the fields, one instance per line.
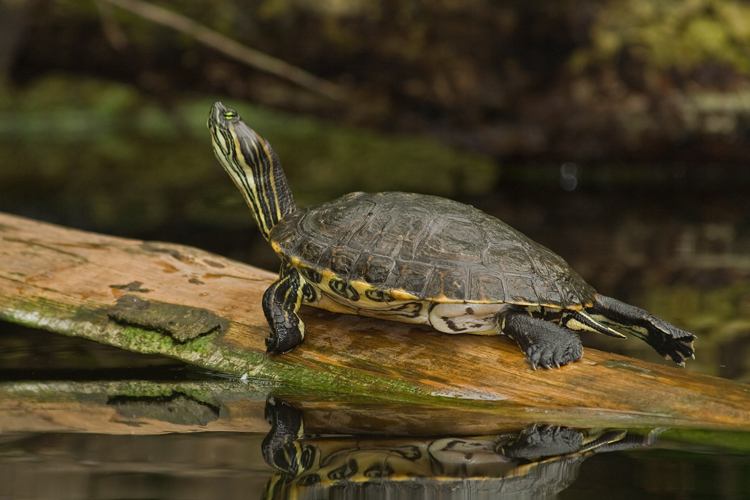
x=181, y=322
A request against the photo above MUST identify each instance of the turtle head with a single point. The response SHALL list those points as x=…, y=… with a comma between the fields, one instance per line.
x=253, y=166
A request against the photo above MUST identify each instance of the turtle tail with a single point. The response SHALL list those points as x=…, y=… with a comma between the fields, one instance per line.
x=667, y=339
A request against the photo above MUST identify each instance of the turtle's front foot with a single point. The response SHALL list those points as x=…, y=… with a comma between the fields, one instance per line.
x=286, y=333
x=546, y=344
x=275, y=344
x=280, y=304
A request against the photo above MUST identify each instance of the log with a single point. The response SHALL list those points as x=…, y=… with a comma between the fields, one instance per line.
x=147, y=297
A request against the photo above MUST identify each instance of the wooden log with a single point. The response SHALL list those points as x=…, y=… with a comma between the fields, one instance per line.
x=70, y=281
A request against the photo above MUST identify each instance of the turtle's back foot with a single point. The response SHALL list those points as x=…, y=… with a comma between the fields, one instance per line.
x=668, y=340
x=546, y=344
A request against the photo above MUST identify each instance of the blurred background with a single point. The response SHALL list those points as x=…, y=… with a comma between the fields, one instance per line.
x=617, y=133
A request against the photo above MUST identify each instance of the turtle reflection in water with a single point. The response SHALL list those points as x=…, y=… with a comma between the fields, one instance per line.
x=420, y=259
x=536, y=462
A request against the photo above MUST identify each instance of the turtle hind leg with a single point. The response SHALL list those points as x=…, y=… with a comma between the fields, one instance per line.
x=280, y=305
x=667, y=339
x=546, y=344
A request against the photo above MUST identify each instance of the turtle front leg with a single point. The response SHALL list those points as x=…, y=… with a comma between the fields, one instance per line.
x=280, y=304
x=546, y=344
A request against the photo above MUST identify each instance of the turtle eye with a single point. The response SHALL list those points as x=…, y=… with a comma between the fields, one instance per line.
x=230, y=115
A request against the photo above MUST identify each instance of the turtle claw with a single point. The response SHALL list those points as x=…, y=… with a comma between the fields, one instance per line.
x=272, y=344
x=549, y=357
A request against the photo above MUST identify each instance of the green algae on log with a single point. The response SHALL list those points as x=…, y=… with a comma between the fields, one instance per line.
x=182, y=323
x=67, y=281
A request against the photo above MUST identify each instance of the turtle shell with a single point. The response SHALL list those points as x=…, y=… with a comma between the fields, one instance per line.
x=426, y=248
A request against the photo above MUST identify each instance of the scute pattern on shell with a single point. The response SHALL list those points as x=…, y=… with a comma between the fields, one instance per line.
x=430, y=247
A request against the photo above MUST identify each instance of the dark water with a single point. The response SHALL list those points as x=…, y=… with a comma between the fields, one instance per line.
x=231, y=465
x=673, y=239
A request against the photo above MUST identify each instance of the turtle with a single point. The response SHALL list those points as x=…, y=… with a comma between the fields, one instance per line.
x=420, y=259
